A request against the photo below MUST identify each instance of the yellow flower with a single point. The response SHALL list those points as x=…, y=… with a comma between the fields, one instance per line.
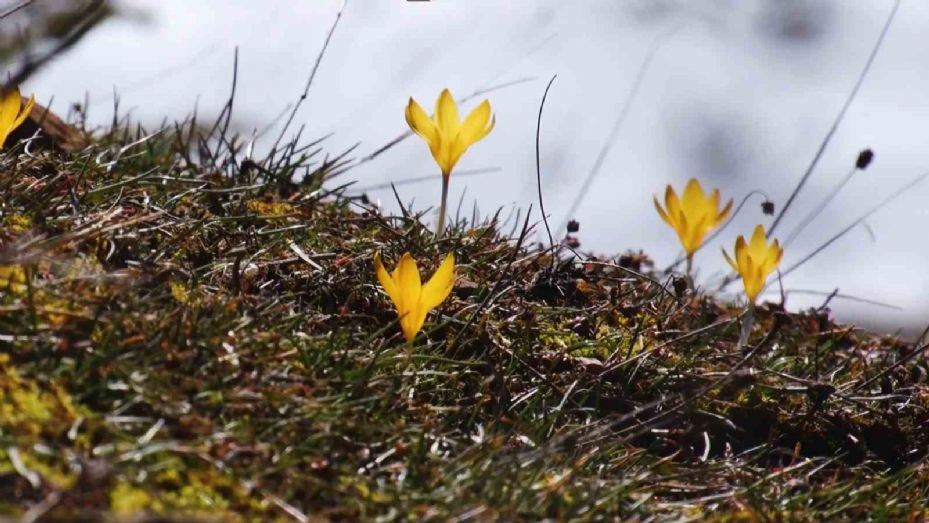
x=412, y=299
x=692, y=216
x=12, y=112
x=448, y=137
x=755, y=260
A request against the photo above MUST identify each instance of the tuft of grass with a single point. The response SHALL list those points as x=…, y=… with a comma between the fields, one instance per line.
x=190, y=335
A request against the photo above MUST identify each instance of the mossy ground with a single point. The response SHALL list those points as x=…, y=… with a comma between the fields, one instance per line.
x=191, y=336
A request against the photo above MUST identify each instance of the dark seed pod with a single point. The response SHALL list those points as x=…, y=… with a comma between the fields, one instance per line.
x=864, y=159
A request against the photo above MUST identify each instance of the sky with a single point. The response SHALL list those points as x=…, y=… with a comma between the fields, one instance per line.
x=738, y=94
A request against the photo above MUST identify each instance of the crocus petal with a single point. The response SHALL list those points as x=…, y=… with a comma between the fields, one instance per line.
x=724, y=213
x=477, y=125
x=714, y=200
x=695, y=235
x=741, y=253
x=682, y=229
x=773, y=257
x=664, y=216
x=672, y=205
x=27, y=110
x=759, y=243
x=420, y=123
x=446, y=160
x=451, y=153
x=749, y=280
x=440, y=285
x=729, y=260
x=758, y=279
x=411, y=322
x=446, y=115
x=408, y=282
x=10, y=103
x=693, y=197
x=387, y=283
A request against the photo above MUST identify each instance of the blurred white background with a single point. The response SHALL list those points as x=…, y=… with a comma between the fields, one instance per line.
x=739, y=96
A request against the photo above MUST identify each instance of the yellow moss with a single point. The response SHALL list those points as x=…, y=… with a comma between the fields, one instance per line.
x=264, y=208
x=55, y=473
x=98, y=334
x=170, y=475
x=57, y=311
x=199, y=497
x=17, y=223
x=12, y=279
x=560, y=337
x=65, y=401
x=127, y=500
x=84, y=267
x=179, y=292
x=632, y=346
x=58, y=301
x=28, y=409
x=206, y=492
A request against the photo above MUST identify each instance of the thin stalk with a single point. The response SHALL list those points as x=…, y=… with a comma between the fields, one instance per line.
x=538, y=169
x=861, y=219
x=631, y=96
x=689, y=273
x=408, y=348
x=838, y=119
x=748, y=321
x=819, y=208
x=440, y=228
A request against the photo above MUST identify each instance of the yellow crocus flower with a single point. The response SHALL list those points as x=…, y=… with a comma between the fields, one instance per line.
x=754, y=261
x=12, y=111
x=693, y=216
x=412, y=299
x=448, y=136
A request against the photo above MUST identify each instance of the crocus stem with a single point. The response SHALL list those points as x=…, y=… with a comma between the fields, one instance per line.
x=440, y=228
x=410, y=364
x=689, y=273
x=748, y=321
